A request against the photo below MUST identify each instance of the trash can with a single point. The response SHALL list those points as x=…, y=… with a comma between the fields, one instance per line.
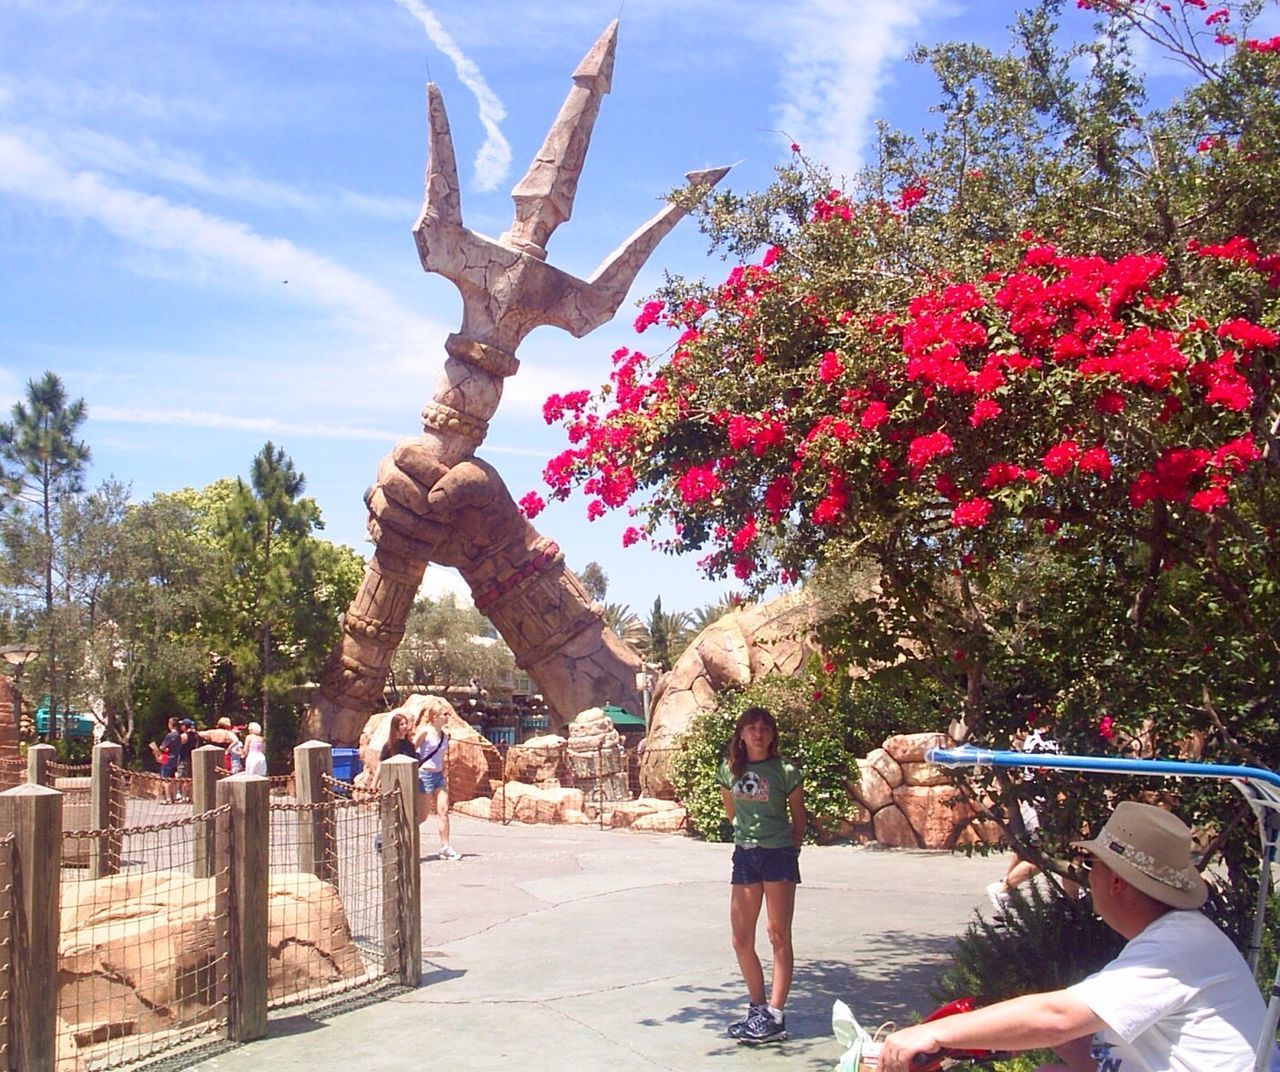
x=346, y=764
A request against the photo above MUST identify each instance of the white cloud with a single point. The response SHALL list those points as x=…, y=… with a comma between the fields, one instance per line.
x=188, y=418
x=493, y=159
x=159, y=224
x=833, y=70
x=147, y=163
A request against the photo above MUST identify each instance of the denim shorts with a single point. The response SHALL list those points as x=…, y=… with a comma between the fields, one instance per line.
x=765, y=865
x=430, y=780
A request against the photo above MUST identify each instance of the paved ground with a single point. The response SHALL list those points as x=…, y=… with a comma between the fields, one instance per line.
x=548, y=948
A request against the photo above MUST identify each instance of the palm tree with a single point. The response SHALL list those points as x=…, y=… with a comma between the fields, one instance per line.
x=627, y=624
x=710, y=613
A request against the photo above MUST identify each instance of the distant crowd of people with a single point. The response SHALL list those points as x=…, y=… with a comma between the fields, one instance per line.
x=244, y=750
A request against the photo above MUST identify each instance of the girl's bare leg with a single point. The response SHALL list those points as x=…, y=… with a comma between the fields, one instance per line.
x=744, y=912
x=780, y=907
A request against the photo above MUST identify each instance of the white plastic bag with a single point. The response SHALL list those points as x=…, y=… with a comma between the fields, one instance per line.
x=850, y=1034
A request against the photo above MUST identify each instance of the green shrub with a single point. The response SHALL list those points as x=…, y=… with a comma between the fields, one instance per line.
x=895, y=700
x=810, y=734
x=1047, y=942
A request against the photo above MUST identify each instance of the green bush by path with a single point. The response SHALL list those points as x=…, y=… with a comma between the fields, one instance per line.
x=810, y=734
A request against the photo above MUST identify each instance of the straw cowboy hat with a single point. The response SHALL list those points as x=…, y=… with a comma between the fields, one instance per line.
x=1150, y=849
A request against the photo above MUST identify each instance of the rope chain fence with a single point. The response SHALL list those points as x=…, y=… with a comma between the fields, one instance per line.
x=583, y=781
x=326, y=925
x=6, y=942
x=143, y=953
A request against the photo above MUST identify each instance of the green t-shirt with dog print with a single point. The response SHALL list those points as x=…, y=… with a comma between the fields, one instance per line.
x=760, y=802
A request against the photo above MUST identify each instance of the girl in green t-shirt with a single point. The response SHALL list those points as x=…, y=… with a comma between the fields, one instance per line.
x=764, y=799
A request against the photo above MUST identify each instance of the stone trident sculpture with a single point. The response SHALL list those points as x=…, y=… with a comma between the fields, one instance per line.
x=434, y=501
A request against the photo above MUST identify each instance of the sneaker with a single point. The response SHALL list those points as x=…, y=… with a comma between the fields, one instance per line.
x=998, y=896
x=736, y=1029
x=761, y=1028
x=448, y=852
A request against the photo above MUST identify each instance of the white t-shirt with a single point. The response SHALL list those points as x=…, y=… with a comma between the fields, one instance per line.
x=1178, y=998
x=431, y=757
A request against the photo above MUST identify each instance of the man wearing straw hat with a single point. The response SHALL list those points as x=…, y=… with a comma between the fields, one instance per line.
x=1178, y=998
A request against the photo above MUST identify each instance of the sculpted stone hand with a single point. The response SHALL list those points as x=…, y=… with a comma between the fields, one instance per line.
x=433, y=502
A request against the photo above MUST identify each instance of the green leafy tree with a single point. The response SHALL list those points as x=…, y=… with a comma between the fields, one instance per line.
x=448, y=645
x=45, y=462
x=145, y=630
x=594, y=580
x=281, y=611
x=1017, y=382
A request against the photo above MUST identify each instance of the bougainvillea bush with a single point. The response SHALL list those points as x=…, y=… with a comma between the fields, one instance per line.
x=1018, y=379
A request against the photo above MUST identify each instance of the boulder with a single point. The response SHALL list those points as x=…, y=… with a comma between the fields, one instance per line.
x=596, y=760
x=138, y=951
x=885, y=766
x=538, y=761
x=924, y=774
x=871, y=790
x=911, y=747
x=631, y=813
x=892, y=829
x=518, y=802
x=936, y=813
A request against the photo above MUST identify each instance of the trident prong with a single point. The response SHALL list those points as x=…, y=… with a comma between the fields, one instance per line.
x=507, y=287
x=544, y=197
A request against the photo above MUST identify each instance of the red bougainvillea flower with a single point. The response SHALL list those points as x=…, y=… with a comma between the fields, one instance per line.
x=1000, y=474
x=830, y=367
x=1096, y=460
x=926, y=448
x=649, y=315
x=874, y=416
x=532, y=505
x=1248, y=335
x=972, y=513
x=985, y=409
x=745, y=536
x=1060, y=459
x=1107, y=728
x=912, y=195
x=1208, y=500
x=632, y=535
x=697, y=484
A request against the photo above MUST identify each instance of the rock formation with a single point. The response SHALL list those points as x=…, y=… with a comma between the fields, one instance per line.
x=137, y=951
x=595, y=757
x=746, y=645
x=434, y=501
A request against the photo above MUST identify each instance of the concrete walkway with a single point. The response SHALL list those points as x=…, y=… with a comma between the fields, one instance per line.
x=555, y=948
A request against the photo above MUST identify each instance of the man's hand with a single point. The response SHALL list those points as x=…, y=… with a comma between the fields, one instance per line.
x=911, y=1043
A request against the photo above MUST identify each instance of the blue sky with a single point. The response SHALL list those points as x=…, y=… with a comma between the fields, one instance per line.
x=205, y=210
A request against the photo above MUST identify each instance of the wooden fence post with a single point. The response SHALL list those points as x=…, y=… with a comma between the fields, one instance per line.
x=106, y=811
x=317, y=835
x=34, y=814
x=401, y=875
x=38, y=758
x=250, y=821
x=204, y=797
